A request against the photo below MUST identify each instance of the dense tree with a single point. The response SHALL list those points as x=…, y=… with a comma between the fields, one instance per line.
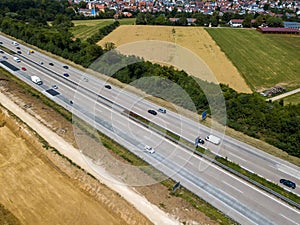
x=274, y=22
x=247, y=20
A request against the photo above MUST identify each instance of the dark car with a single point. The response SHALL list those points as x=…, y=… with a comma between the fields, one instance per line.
x=153, y=112
x=1, y=43
x=288, y=183
x=51, y=64
x=18, y=48
x=66, y=74
x=200, y=141
x=66, y=67
x=107, y=86
x=4, y=57
x=19, y=52
x=1, y=51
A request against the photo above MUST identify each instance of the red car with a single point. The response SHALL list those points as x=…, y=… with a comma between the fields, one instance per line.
x=23, y=68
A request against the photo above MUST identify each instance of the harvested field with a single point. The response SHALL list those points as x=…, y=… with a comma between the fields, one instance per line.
x=196, y=39
x=37, y=193
x=79, y=179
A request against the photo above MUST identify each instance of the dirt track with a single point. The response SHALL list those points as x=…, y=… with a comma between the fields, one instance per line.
x=60, y=170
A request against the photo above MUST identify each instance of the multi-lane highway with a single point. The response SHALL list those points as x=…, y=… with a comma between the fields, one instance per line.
x=233, y=196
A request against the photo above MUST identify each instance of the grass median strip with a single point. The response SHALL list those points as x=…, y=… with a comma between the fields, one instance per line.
x=223, y=161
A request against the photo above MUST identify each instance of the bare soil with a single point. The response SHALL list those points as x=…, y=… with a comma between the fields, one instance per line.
x=196, y=39
x=41, y=187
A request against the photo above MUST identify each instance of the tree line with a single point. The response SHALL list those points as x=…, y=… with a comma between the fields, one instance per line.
x=214, y=20
x=249, y=113
x=27, y=21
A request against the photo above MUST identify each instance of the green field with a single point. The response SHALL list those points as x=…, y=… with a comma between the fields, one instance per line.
x=86, y=28
x=264, y=60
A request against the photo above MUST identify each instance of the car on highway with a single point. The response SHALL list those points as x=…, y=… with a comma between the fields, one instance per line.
x=107, y=86
x=4, y=57
x=1, y=51
x=200, y=140
x=1, y=43
x=153, y=112
x=23, y=68
x=288, y=183
x=149, y=149
x=65, y=67
x=18, y=48
x=54, y=86
x=41, y=63
x=162, y=110
x=19, y=52
x=85, y=79
x=51, y=64
x=66, y=75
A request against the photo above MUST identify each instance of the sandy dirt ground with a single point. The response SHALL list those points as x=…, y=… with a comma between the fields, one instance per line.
x=58, y=131
x=36, y=193
x=196, y=39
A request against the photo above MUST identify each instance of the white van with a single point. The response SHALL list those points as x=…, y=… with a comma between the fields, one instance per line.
x=149, y=149
x=17, y=59
x=15, y=43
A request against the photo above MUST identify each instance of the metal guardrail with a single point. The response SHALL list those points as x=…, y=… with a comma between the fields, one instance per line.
x=268, y=190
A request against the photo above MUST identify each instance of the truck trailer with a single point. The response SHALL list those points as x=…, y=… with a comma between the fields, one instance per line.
x=213, y=139
x=36, y=80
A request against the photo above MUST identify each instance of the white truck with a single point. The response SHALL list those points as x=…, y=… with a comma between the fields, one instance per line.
x=36, y=80
x=213, y=139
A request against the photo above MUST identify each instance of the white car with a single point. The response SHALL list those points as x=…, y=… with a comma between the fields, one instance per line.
x=149, y=149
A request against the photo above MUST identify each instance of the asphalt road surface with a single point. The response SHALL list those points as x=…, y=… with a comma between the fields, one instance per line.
x=233, y=196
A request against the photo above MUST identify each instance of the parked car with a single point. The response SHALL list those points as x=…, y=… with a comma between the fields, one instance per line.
x=41, y=63
x=66, y=67
x=1, y=43
x=18, y=48
x=162, y=110
x=66, y=75
x=1, y=51
x=23, y=68
x=4, y=57
x=288, y=183
x=51, y=64
x=19, y=52
x=107, y=86
x=149, y=149
x=54, y=86
x=153, y=112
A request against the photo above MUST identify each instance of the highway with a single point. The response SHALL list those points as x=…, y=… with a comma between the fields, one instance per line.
x=233, y=196
x=250, y=158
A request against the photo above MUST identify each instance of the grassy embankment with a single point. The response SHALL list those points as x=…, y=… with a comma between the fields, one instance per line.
x=263, y=60
x=194, y=200
x=293, y=99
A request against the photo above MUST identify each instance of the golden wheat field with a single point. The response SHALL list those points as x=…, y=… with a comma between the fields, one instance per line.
x=195, y=39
